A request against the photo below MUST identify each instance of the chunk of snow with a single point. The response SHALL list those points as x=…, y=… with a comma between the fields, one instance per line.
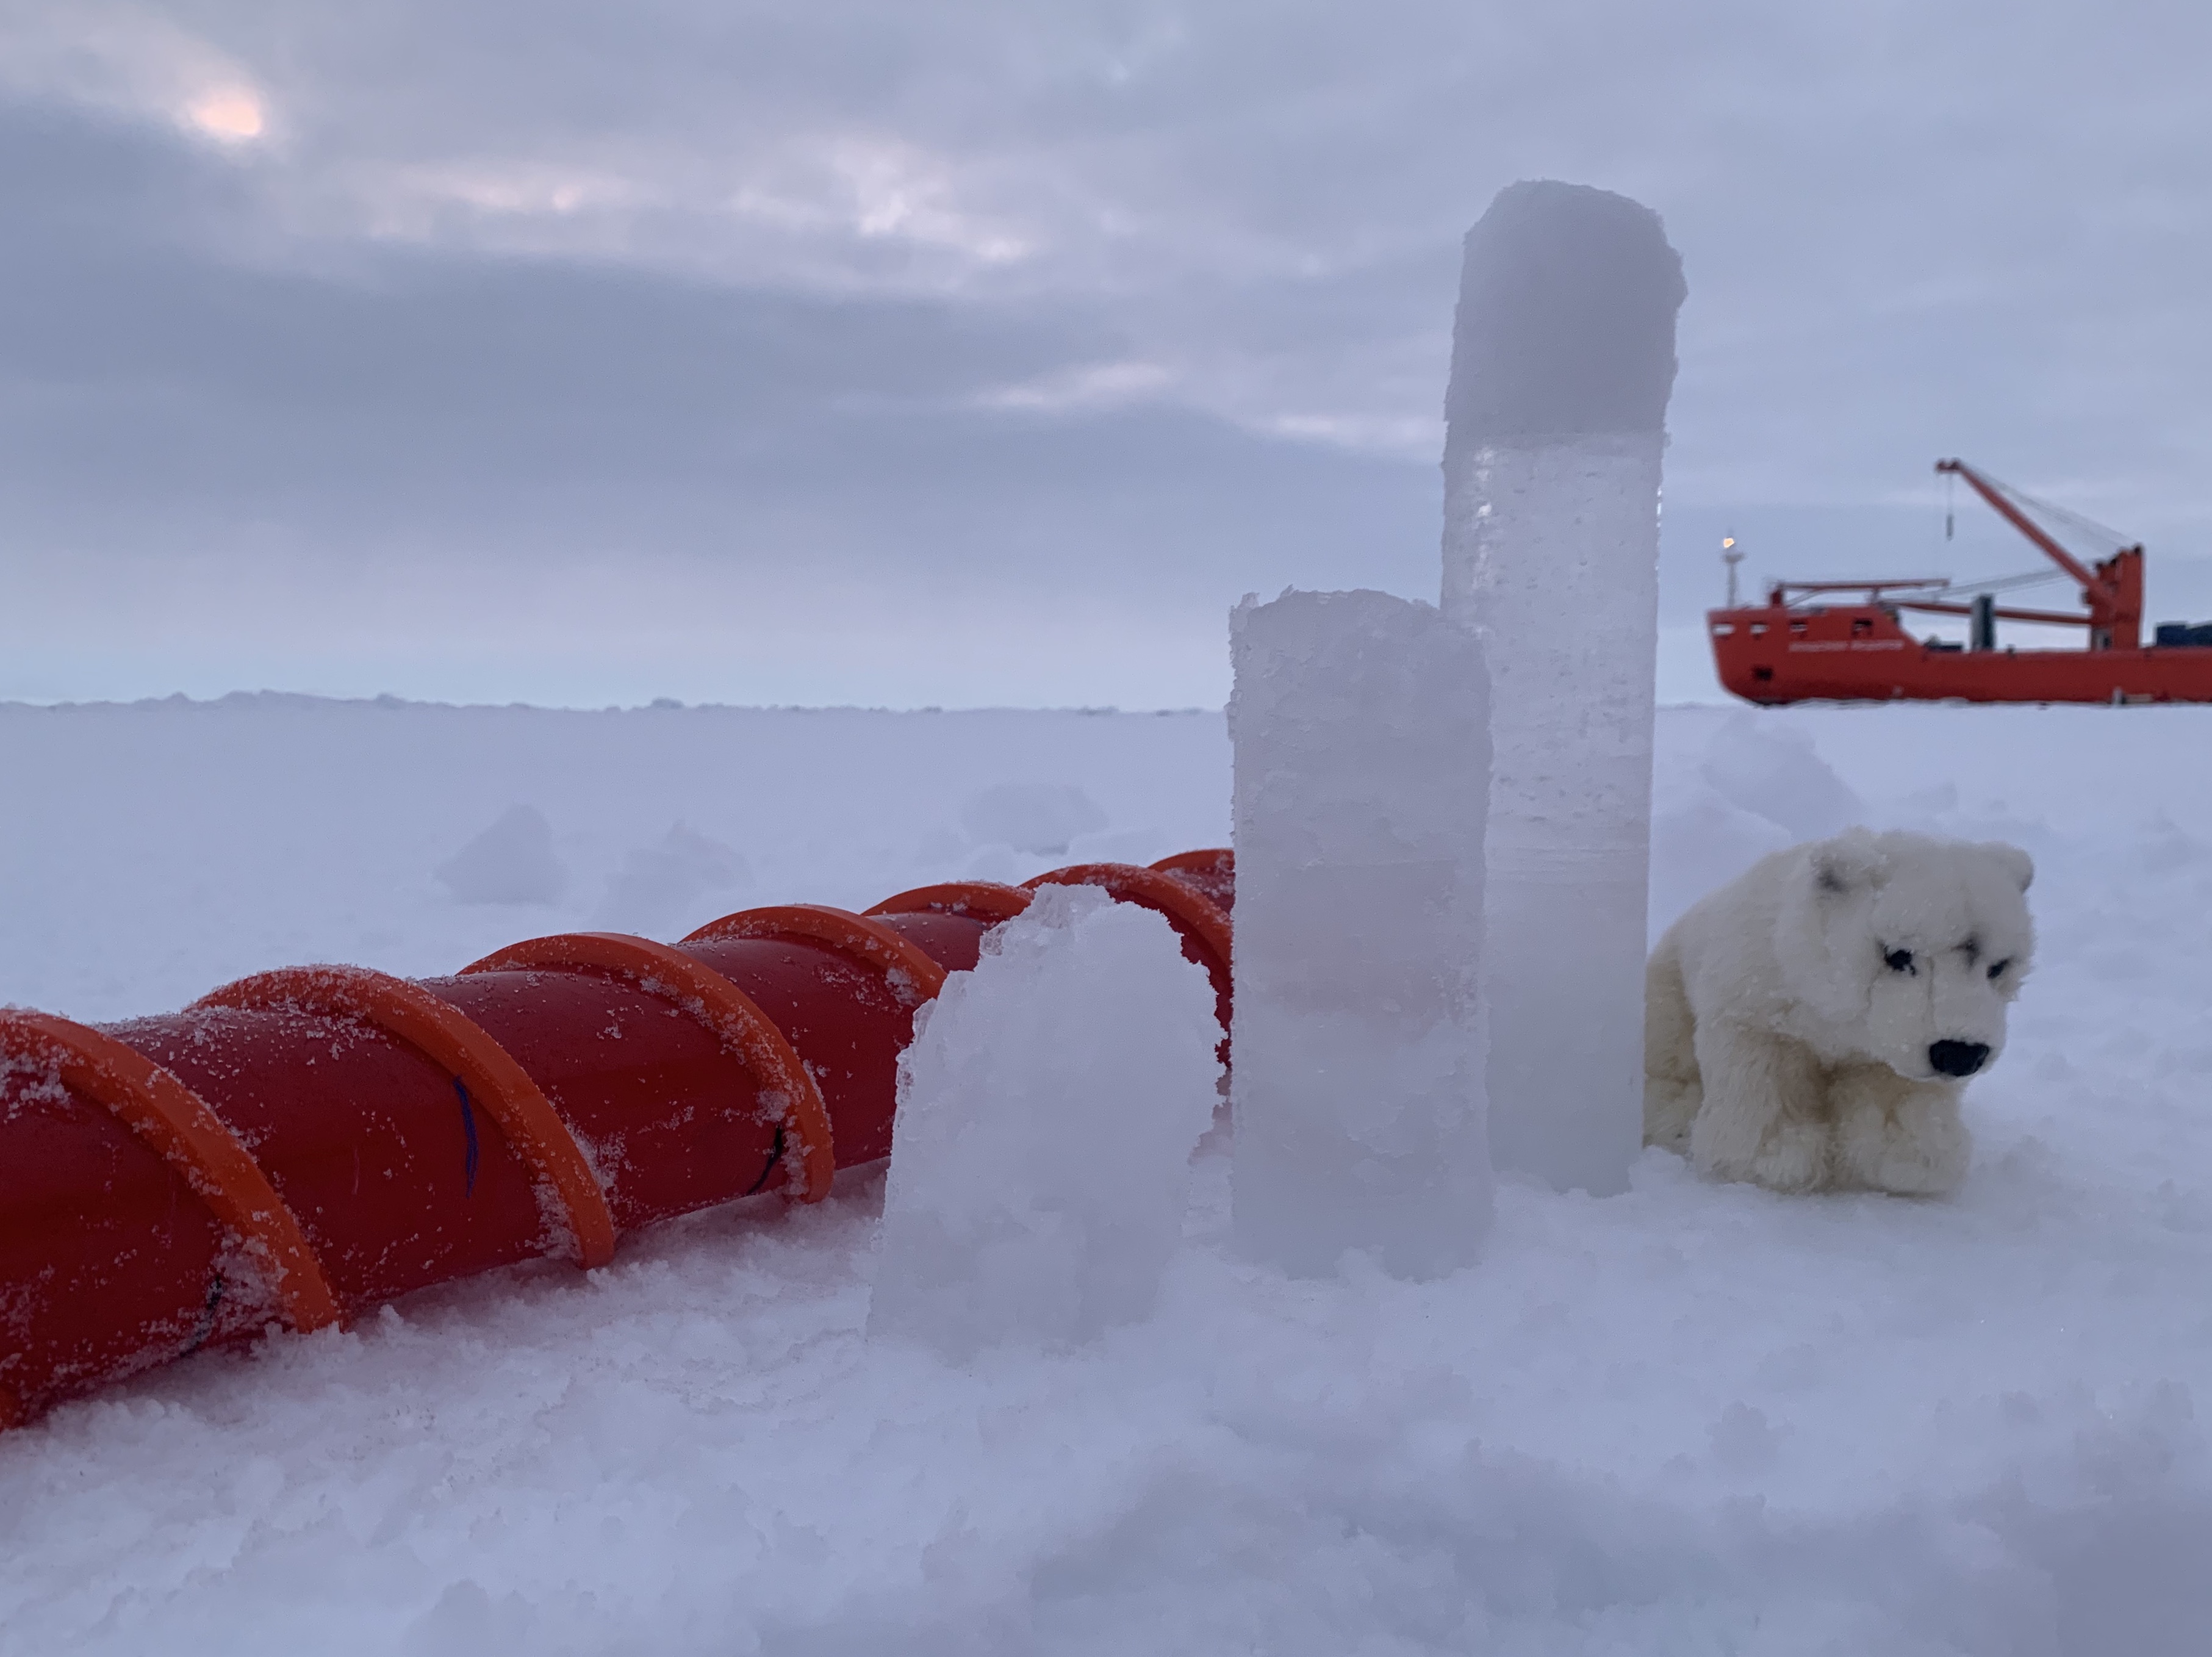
x=1363, y=762
x=1562, y=358
x=1047, y=1111
x=511, y=862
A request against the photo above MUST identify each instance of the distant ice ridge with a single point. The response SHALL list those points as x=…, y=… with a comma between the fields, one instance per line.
x=1562, y=358
x=1047, y=1111
x=1361, y=733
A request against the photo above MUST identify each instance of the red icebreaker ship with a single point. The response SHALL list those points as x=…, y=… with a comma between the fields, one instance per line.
x=1802, y=644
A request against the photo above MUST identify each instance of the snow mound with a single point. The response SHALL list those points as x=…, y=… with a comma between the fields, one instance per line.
x=1763, y=766
x=1758, y=784
x=662, y=888
x=511, y=862
x=1043, y=818
x=1047, y=1110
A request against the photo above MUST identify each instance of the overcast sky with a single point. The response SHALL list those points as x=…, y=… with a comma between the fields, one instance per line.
x=958, y=353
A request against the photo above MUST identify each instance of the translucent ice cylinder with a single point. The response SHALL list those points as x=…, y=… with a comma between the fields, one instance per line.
x=1362, y=768
x=1562, y=364
x=1047, y=1107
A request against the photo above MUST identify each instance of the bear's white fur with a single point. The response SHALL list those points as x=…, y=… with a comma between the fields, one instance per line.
x=1799, y=1022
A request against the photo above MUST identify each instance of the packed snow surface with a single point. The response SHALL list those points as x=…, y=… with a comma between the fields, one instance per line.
x=1687, y=1418
x=1047, y=1108
x=1361, y=723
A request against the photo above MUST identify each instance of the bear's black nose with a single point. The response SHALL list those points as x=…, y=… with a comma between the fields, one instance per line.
x=1958, y=1057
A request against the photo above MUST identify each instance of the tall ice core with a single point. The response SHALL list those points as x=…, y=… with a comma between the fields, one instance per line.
x=1562, y=358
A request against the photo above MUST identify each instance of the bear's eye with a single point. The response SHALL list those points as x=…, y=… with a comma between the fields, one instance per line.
x=1999, y=968
x=1900, y=961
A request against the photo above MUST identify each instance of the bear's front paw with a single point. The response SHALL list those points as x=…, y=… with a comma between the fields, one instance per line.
x=1781, y=1153
x=1794, y=1156
x=1911, y=1142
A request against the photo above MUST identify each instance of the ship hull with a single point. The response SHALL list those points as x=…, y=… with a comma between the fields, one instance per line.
x=1853, y=652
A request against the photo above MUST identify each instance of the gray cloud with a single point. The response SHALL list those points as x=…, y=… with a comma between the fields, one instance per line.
x=498, y=401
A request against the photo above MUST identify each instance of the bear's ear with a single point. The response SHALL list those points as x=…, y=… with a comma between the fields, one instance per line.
x=1848, y=863
x=2014, y=861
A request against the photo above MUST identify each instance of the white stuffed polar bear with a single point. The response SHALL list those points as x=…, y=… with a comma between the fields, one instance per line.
x=1810, y=1025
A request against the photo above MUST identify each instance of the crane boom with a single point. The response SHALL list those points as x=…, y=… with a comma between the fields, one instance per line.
x=2018, y=519
x=2112, y=592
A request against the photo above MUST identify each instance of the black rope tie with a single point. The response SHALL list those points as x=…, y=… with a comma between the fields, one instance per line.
x=469, y=1127
x=775, y=1155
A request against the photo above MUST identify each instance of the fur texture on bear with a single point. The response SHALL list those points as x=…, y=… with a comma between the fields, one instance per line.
x=1810, y=1025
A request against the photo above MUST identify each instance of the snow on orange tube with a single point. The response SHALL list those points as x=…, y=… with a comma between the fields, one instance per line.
x=304, y=1144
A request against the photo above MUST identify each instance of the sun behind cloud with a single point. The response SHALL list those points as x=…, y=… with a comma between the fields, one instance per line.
x=231, y=113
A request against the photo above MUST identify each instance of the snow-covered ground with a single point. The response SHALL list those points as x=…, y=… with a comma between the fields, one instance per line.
x=1690, y=1419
